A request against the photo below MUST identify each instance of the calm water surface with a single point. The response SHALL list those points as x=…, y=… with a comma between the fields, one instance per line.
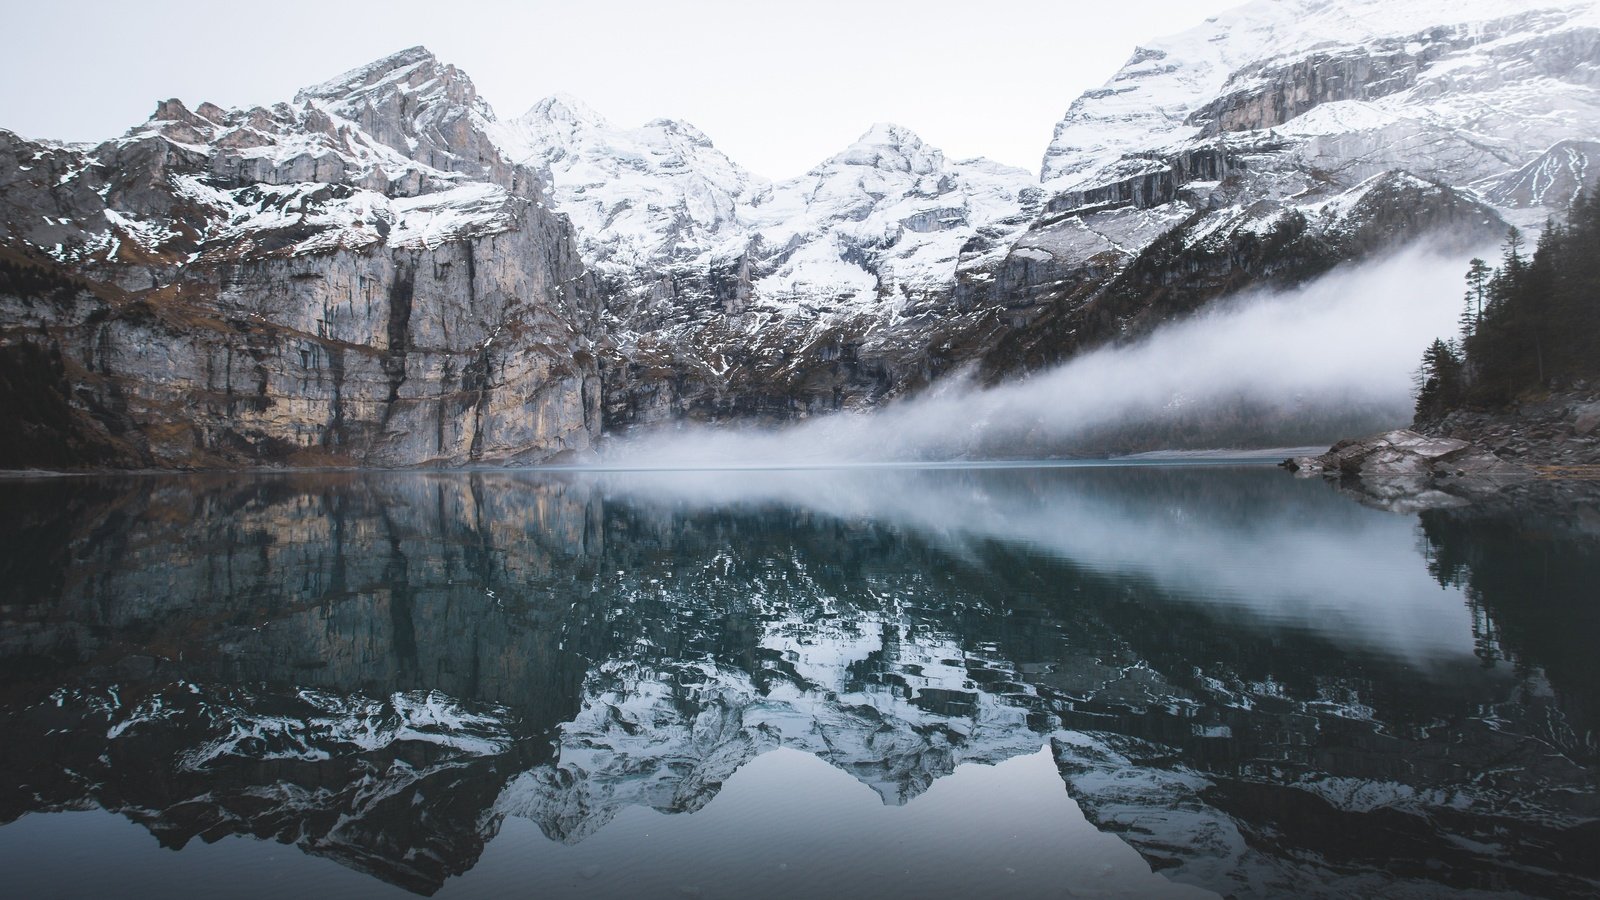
x=1143, y=681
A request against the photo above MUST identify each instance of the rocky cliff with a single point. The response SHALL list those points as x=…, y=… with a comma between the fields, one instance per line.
x=356, y=277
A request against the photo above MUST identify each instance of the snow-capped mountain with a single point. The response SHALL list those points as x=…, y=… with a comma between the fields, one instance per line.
x=882, y=222
x=394, y=286
x=1344, y=90
x=708, y=267
x=886, y=216
x=1233, y=153
x=1265, y=145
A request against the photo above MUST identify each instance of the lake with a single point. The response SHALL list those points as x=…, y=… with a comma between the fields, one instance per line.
x=1159, y=680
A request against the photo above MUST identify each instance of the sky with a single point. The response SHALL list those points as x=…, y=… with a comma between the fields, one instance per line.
x=779, y=87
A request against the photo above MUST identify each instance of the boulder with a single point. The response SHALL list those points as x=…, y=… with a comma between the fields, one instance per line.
x=1586, y=420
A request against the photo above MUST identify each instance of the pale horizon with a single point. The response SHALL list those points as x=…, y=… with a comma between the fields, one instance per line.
x=775, y=106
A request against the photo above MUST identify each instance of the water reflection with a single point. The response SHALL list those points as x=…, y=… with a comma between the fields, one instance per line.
x=1260, y=686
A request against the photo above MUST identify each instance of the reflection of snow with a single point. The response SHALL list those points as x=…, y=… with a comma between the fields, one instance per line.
x=667, y=739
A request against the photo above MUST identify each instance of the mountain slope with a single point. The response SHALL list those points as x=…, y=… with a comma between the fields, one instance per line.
x=1277, y=116
x=1266, y=146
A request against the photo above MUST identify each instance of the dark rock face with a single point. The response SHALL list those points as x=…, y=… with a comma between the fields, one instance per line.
x=354, y=279
x=1150, y=182
x=1194, y=263
x=1559, y=429
x=1276, y=94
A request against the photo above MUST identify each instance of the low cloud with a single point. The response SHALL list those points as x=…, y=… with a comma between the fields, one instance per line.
x=1343, y=344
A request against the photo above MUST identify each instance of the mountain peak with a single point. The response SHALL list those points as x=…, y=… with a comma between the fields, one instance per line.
x=374, y=72
x=565, y=108
x=892, y=147
x=680, y=127
x=888, y=134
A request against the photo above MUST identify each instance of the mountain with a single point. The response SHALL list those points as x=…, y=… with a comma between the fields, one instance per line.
x=382, y=272
x=1278, y=120
x=1265, y=146
x=709, y=269
x=643, y=200
x=356, y=277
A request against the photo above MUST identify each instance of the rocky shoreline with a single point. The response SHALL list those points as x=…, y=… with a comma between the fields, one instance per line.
x=1559, y=429
x=1467, y=454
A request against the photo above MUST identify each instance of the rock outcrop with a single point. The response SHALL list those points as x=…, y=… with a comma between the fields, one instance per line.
x=1404, y=470
x=1468, y=454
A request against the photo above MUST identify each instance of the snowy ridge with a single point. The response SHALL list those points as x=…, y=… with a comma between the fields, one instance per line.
x=659, y=193
x=393, y=152
x=887, y=215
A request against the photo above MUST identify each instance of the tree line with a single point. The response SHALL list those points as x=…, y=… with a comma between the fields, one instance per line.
x=1532, y=323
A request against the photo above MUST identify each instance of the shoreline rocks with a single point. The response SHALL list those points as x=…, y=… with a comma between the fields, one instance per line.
x=1404, y=470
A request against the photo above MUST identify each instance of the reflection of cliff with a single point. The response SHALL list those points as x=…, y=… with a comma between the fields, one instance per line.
x=380, y=668
x=353, y=665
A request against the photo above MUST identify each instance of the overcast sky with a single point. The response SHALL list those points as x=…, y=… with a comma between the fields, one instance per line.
x=778, y=86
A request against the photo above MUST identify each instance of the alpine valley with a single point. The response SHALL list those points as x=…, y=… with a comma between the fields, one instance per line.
x=383, y=272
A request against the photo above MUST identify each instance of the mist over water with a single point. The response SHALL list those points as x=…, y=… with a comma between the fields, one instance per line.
x=1235, y=536
x=1344, y=345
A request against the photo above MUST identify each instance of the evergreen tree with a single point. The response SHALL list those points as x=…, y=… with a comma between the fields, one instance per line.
x=1478, y=275
x=1439, y=380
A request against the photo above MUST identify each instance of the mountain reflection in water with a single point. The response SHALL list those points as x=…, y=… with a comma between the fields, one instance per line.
x=1258, y=685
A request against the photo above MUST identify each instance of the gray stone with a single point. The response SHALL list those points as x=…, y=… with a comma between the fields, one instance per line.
x=1586, y=420
x=1404, y=470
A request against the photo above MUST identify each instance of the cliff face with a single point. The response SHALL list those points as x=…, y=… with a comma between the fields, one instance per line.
x=355, y=278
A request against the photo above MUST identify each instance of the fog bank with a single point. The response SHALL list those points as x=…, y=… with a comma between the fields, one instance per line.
x=1338, y=349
